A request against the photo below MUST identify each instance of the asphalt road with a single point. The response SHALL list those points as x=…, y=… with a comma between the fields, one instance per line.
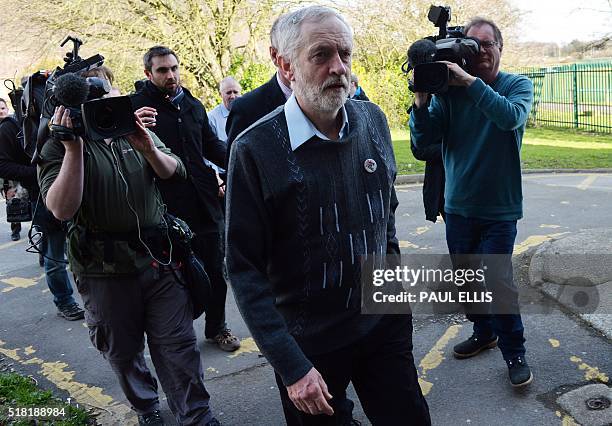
x=564, y=352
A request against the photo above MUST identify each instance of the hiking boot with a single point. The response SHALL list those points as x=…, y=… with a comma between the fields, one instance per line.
x=519, y=372
x=473, y=346
x=151, y=419
x=71, y=312
x=226, y=341
x=15, y=235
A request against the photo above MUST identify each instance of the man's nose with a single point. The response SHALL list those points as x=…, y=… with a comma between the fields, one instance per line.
x=337, y=66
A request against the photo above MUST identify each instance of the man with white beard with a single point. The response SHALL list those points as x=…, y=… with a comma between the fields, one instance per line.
x=310, y=192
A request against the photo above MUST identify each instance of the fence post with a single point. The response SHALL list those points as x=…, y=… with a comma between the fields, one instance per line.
x=575, y=95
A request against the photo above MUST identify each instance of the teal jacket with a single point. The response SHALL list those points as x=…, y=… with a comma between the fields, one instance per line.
x=482, y=130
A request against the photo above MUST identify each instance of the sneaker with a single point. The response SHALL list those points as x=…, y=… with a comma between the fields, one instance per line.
x=151, y=419
x=226, y=341
x=519, y=372
x=71, y=312
x=473, y=346
x=15, y=236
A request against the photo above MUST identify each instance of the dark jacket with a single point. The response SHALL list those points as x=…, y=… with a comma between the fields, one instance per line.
x=15, y=164
x=361, y=96
x=433, y=183
x=249, y=108
x=187, y=133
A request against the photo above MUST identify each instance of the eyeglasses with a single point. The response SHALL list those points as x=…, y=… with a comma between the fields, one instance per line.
x=488, y=44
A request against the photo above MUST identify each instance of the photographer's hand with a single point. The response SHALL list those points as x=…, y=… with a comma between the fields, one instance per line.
x=141, y=141
x=163, y=165
x=420, y=99
x=458, y=77
x=147, y=116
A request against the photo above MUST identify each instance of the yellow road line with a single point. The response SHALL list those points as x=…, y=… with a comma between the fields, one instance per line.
x=587, y=182
x=247, y=346
x=58, y=373
x=435, y=357
x=535, y=240
x=407, y=244
x=11, y=244
x=591, y=373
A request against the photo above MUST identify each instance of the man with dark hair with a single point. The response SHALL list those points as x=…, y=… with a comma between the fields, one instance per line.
x=481, y=121
x=180, y=121
x=310, y=194
x=250, y=107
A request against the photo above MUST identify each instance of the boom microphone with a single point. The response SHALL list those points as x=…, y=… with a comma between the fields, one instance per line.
x=421, y=52
x=71, y=90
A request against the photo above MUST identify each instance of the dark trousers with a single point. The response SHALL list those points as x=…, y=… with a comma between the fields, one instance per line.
x=119, y=311
x=473, y=236
x=210, y=248
x=54, y=248
x=381, y=368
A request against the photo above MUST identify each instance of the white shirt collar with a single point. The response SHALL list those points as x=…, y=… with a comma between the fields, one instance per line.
x=301, y=128
x=286, y=89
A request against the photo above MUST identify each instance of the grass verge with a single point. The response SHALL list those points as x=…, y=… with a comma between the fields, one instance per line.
x=21, y=399
x=543, y=148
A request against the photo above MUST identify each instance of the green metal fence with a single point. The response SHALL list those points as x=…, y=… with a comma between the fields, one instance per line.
x=576, y=95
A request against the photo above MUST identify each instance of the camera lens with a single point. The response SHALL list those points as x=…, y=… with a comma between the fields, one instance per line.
x=104, y=117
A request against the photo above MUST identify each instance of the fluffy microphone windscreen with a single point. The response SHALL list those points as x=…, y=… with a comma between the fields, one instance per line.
x=71, y=90
x=421, y=52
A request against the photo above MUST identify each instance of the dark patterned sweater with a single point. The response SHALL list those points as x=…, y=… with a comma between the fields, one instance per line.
x=298, y=224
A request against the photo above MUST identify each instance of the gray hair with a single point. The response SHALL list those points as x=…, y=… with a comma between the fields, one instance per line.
x=289, y=30
x=274, y=31
x=354, y=79
x=478, y=21
x=226, y=80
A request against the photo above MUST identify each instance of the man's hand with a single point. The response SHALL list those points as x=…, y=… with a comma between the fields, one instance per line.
x=420, y=99
x=147, y=116
x=61, y=118
x=458, y=76
x=221, y=185
x=141, y=141
x=310, y=394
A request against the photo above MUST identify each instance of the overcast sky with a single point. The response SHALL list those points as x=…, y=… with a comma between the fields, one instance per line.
x=562, y=21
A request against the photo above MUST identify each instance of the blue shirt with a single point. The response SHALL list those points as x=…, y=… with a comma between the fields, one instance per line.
x=301, y=128
x=217, y=117
x=481, y=128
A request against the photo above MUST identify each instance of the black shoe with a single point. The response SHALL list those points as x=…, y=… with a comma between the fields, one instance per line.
x=213, y=422
x=519, y=372
x=15, y=236
x=473, y=346
x=71, y=312
x=151, y=419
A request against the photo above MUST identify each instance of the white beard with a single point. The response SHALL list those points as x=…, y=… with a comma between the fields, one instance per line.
x=316, y=96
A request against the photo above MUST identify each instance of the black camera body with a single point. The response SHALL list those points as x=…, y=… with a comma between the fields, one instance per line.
x=92, y=115
x=450, y=45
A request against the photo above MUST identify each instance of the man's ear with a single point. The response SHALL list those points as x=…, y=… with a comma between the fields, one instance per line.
x=284, y=66
x=148, y=74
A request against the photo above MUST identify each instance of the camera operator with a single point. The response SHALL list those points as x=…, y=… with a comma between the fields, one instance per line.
x=107, y=188
x=481, y=121
x=16, y=165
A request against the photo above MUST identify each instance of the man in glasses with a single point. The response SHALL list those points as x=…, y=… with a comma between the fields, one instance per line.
x=481, y=120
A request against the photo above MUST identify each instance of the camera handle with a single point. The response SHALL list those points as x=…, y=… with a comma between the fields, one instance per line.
x=73, y=56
